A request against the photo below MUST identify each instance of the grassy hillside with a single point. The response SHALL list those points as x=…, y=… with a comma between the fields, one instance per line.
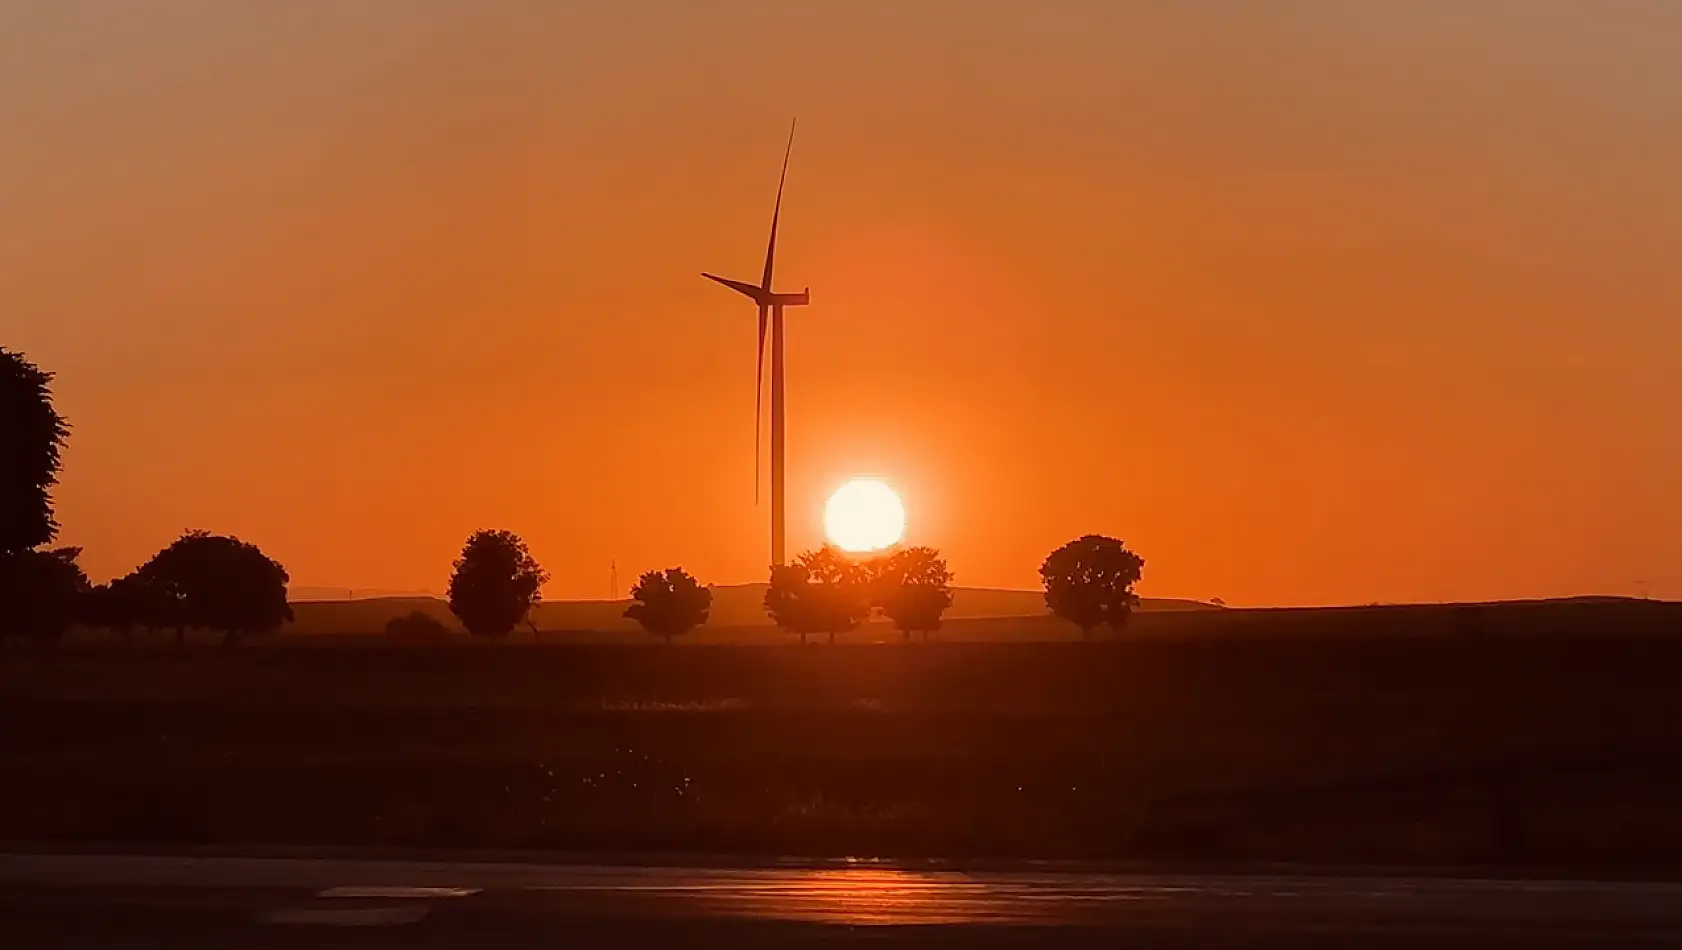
x=734, y=606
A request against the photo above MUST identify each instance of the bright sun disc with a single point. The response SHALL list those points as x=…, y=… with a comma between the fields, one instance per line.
x=864, y=515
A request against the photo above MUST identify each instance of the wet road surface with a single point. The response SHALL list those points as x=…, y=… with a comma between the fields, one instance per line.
x=136, y=901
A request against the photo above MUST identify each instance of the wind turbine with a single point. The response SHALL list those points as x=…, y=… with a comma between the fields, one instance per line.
x=771, y=304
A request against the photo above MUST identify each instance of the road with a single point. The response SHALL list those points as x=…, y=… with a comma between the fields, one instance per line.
x=109, y=901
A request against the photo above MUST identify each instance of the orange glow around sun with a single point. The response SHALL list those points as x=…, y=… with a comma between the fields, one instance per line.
x=864, y=515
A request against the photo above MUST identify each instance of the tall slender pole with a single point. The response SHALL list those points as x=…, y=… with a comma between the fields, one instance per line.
x=777, y=525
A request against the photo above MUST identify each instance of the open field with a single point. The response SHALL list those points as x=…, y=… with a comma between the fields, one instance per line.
x=1007, y=616
x=737, y=610
x=1541, y=734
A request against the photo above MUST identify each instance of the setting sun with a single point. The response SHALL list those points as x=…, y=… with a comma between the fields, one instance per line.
x=864, y=515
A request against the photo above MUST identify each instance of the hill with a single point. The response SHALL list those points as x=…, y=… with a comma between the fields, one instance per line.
x=305, y=593
x=734, y=605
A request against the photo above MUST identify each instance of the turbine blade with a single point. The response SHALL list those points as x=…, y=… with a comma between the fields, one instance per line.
x=758, y=397
x=741, y=287
x=776, y=212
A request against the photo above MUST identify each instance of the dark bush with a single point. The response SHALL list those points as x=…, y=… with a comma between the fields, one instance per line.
x=417, y=626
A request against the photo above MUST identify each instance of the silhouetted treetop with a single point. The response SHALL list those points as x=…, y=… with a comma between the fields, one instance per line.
x=40, y=592
x=823, y=591
x=1089, y=582
x=214, y=582
x=669, y=603
x=912, y=587
x=790, y=601
x=32, y=434
x=496, y=583
x=124, y=605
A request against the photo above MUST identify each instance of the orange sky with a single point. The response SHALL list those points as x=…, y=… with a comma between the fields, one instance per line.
x=1310, y=302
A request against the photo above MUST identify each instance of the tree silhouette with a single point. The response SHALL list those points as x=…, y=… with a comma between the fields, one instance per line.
x=843, y=588
x=791, y=602
x=123, y=606
x=1089, y=582
x=669, y=603
x=31, y=436
x=496, y=583
x=214, y=582
x=823, y=591
x=40, y=592
x=912, y=587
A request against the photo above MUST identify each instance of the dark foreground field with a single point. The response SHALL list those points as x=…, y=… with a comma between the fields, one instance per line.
x=1562, y=749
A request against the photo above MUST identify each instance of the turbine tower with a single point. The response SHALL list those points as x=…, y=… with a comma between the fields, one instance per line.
x=771, y=305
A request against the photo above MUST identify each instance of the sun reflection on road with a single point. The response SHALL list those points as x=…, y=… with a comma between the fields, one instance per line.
x=875, y=895
x=864, y=896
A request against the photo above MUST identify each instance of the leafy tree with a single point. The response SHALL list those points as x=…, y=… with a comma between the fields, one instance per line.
x=40, y=592
x=496, y=583
x=791, y=602
x=1089, y=582
x=823, y=591
x=31, y=436
x=669, y=603
x=417, y=625
x=122, y=606
x=155, y=599
x=912, y=587
x=214, y=582
x=843, y=588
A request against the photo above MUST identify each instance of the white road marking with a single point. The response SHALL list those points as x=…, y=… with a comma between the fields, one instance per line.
x=390, y=892
x=346, y=916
